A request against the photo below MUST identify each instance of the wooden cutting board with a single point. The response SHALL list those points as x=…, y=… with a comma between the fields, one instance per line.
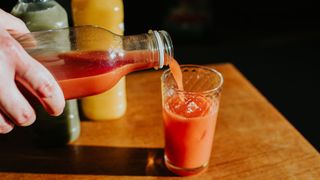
x=252, y=141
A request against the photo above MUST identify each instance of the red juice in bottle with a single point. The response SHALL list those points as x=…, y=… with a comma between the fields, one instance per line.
x=86, y=73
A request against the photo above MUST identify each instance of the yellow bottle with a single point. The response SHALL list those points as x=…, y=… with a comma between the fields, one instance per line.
x=109, y=15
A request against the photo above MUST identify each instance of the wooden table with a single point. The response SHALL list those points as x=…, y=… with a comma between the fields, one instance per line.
x=253, y=141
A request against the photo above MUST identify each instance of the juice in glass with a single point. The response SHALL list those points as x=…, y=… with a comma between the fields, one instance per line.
x=190, y=116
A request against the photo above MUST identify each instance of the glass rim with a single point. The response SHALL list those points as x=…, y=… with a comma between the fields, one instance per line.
x=216, y=89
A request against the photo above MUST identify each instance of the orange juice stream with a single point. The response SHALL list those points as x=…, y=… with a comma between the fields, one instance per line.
x=109, y=15
x=176, y=72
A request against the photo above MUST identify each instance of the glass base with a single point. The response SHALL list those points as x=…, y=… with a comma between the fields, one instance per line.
x=185, y=171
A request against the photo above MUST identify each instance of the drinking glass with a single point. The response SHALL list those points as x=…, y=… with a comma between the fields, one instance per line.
x=190, y=117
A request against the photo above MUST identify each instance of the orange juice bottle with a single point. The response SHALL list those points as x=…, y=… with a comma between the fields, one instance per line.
x=109, y=15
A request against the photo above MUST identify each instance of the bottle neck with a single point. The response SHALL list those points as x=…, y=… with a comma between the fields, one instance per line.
x=163, y=47
x=33, y=1
x=157, y=44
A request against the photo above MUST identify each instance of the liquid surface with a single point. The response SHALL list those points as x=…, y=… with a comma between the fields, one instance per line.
x=190, y=107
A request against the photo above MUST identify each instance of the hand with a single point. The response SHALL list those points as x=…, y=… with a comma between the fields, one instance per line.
x=18, y=66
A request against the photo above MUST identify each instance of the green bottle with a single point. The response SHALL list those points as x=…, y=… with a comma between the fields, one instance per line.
x=45, y=15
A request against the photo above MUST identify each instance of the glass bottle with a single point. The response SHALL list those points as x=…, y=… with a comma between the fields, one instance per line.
x=109, y=14
x=47, y=15
x=91, y=66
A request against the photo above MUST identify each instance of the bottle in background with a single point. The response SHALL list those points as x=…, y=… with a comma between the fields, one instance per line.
x=109, y=14
x=45, y=15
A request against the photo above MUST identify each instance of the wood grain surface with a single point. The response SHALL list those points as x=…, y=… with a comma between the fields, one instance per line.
x=252, y=141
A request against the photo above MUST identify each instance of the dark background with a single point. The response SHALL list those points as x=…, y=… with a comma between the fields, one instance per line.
x=274, y=43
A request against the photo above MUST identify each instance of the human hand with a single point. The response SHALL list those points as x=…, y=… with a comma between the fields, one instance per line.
x=16, y=65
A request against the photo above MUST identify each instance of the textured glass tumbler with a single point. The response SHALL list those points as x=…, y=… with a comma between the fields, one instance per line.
x=190, y=117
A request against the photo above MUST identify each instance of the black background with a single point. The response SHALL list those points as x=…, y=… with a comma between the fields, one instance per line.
x=274, y=43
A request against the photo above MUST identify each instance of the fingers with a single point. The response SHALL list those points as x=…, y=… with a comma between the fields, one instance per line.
x=12, y=24
x=38, y=79
x=12, y=102
x=5, y=125
x=45, y=87
x=15, y=106
x=16, y=64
